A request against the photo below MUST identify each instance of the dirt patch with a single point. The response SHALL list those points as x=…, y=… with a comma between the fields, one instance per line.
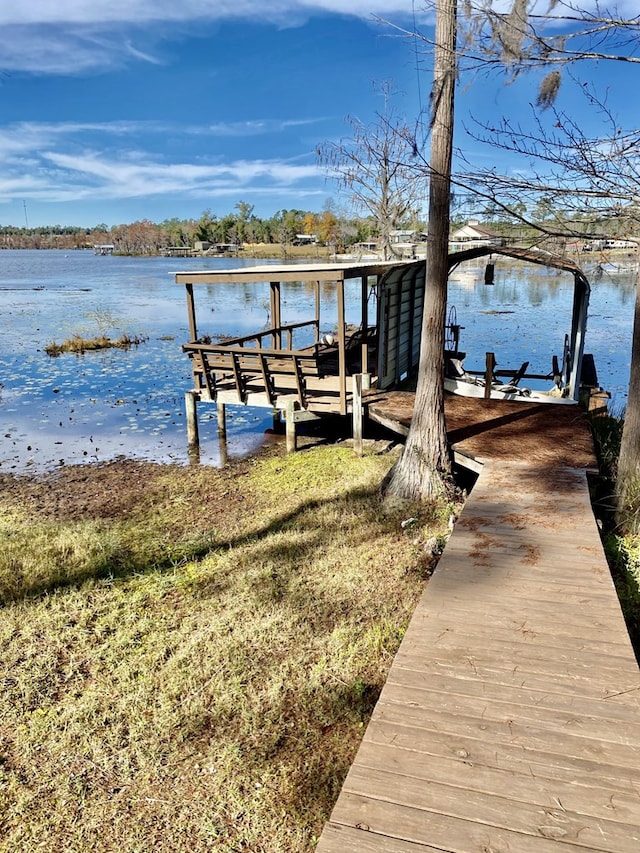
x=123, y=487
x=531, y=555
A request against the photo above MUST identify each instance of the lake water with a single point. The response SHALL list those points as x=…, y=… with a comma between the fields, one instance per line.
x=104, y=404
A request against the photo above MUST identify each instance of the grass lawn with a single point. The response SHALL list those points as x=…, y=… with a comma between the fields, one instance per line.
x=188, y=656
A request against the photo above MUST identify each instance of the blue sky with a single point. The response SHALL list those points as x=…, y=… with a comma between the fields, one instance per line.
x=131, y=109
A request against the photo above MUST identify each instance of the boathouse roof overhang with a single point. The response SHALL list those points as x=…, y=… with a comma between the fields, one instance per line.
x=581, y=291
x=288, y=272
x=531, y=256
x=400, y=276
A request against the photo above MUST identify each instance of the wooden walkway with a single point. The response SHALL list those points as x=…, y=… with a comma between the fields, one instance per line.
x=510, y=720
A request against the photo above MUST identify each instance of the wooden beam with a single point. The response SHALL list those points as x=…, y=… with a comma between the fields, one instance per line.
x=222, y=422
x=357, y=414
x=288, y=272
x=290, y=426
x=317, y=294
x=191, y=311
x=488, y=374
x=266, y=378
x=342, y=355
x=193, y=439
x=364, y=324
x=276, y=320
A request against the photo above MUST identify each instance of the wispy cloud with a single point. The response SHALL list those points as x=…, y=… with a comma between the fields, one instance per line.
x=35, y=136
x=143, y=12
x=42, y=50
x=54, y=163
x=88, y=12
x=255, y=127
x=120, y=178
x=75, y=36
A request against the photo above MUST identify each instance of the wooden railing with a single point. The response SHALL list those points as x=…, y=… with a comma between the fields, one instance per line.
x=234, y=366
x=276, y=335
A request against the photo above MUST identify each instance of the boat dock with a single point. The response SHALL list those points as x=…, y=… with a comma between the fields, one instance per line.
x=510, y=719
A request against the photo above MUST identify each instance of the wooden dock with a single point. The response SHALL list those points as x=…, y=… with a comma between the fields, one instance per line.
x=510, y=720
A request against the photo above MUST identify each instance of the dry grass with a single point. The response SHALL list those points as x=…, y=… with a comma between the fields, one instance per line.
x=78, y=344
x=193, y=669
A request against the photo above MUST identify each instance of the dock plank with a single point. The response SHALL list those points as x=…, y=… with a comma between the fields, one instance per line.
x=541, y=763
x=429, y=806
x=510, y=719
x=599, y=801
x=448, y=832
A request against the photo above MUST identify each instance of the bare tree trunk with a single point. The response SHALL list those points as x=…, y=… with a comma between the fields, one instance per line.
x=628, y=480
x=424, y=470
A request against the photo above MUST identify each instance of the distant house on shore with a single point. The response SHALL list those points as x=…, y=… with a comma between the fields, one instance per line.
x=407, y=236
x=103, y=249
x=176, y=251
x=473, y=234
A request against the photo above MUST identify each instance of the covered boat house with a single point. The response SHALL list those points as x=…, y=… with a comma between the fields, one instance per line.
x=293, y=368
x=302, y=372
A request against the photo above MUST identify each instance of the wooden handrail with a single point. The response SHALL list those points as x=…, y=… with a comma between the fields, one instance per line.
x=226, y=349
x=258, y=336
x=233, y=362
x=240, y=363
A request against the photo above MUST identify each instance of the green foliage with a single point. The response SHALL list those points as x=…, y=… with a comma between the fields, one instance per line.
x=623, y=554
x=607, y=434
x=622, y=549
x=629, y=506
x=240, y=226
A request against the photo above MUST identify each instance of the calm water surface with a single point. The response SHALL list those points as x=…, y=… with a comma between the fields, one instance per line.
x=526, y=314
x=104, y=404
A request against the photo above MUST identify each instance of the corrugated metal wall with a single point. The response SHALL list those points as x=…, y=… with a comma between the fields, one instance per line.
x=400, y=305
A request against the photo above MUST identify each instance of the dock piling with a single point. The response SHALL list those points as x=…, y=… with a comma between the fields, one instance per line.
x=357, y=414
x=290, y=426
x=193, y=439
x=222, y=423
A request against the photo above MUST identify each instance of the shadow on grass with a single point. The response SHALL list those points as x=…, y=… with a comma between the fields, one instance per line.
x=55, y=568
x=41, y=567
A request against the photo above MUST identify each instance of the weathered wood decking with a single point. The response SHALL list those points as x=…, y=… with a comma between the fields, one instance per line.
x=510, y=720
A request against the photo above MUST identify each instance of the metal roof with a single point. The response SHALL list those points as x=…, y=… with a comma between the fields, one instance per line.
x=532, y=256
x=343, y=271
x=288, y=272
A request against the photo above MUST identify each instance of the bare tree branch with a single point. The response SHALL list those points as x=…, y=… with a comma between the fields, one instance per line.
x=375, y=166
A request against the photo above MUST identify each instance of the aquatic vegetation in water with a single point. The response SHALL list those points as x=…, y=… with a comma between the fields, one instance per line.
x=79, y=345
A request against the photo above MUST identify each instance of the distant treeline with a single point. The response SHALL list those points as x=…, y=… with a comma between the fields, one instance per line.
x=239, y=227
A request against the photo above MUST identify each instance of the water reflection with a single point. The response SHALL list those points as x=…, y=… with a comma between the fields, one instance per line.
x=526, y=313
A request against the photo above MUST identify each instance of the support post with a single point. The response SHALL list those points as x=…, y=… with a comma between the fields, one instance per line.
x=290, y=427
x=488, y=375
x=193, y=440
x=222, y=422
x=342, y=354
x=223, y=449
x=357, y=414
x=276, y=318
x=364, y=325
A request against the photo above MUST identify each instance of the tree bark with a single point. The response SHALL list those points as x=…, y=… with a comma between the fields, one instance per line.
x=628, y=478
x=423, y=472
